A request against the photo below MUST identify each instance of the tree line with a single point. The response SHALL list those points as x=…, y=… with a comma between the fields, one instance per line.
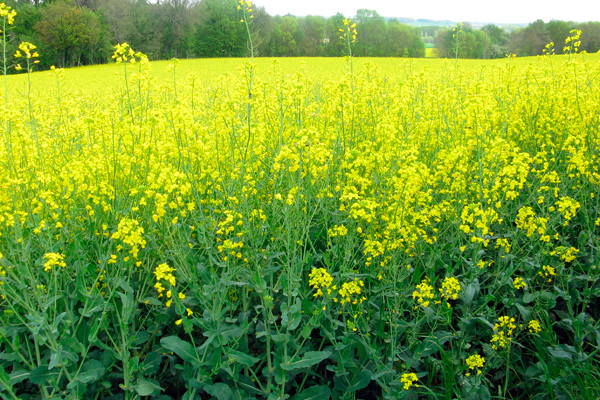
x=492, y=41
x=82, y=32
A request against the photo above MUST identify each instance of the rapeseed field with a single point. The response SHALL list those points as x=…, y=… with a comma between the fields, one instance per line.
x=315, y=228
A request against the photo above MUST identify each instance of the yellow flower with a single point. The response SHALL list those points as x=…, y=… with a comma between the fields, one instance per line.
x=519, y=283
x=534, y=326
x=319, y=278
x=424, y=293
x=503, y=331
x=475, y=362
x=54, y=259
x=450, y=288
x=408, y=379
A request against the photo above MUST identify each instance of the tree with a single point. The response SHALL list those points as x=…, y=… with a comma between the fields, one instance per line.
x=530, y=41
x=178, y=21
x=220, y=32
x=404, y=40
x=73, y=33
x=283, y=40
x=313, y=44
x=334, y=46
x=372, y=31
x=590, y=36
x=558, y=31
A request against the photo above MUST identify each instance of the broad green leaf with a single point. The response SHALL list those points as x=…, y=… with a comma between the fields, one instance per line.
x=220, y=390
x=310, y=358
x=91, y=371
x=41, y=375
x=246, y=383
x=147, y=388
x=470, y=292
x=242, y=358
x=314, y=393
x=360, y=381
x=563, y=351
x=529, y=297
x=180, y=347
x=18, y=376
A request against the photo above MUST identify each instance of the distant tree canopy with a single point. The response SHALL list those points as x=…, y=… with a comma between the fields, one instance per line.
x=493, y=42
x=79, y=32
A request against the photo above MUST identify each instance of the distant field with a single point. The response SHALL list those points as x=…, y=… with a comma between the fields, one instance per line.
x=300, y=229
x=102, y=78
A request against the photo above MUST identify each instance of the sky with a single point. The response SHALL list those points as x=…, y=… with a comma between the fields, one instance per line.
x=498, y=11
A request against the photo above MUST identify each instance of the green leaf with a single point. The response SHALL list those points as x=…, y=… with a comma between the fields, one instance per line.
x=246, y=383
x=314, y=393
x=310, y=358
x=91, y=371
x=243, y=358
x=523, y=310
x=41, y=375
x=180, y=347
x=219, y=390
x=472, y=289
x=18, y=376
x=360, y=381
x=425, y=349
x=563, y=351
x=4, y=378
x=56, y=358
x=529, y=297
x=147, y=388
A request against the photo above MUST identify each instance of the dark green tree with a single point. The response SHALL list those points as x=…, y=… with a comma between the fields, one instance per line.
x=313, y=43
x=220, y=32
x=372, y=28
x=74, y=34
x=334, y=46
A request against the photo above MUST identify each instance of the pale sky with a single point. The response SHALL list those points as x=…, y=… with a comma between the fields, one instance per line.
x=498, y=11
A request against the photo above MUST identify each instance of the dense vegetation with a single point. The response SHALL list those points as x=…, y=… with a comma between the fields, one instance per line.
x=420, y=230
x=70, y=33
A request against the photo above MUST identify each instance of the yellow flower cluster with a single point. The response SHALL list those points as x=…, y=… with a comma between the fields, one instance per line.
x=475, y=362
x=519, y=283
x=28, y=49
x=319, y=279
x=450, y=288
x=164, y=274
x=424, y=293
x=547, y=273
x=337, y=230
x=131, y=233
x=124, y=53
x=530, y=222
x=409, y=380
x=350, y=292
x=534, y=326
x=8, y=13
x=246, y=5
x=572, y=42
x=54, y=259
x=503, y=332
x=567, y=207
x=350, y=29
x=567, y=254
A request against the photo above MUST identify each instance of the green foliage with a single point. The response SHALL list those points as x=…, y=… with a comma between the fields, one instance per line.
x=71, y=33
x=220, y=33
